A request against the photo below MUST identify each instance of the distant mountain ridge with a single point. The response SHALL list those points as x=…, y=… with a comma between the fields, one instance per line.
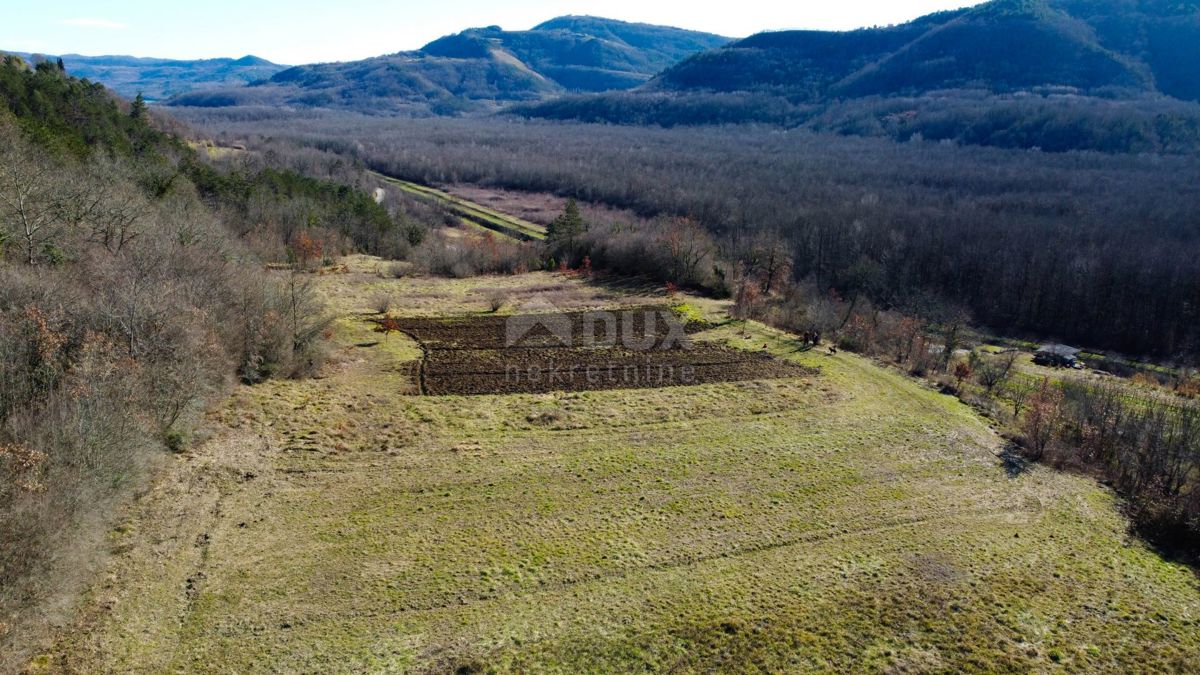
x=1109, y=75
x=1090, y=46
x=160, y=79
x=480, y=68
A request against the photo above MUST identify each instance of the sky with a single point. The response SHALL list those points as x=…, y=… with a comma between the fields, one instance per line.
x=307, y=31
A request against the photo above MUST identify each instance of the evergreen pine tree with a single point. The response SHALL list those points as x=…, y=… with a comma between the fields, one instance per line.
x=138, y=111
x=568, y=225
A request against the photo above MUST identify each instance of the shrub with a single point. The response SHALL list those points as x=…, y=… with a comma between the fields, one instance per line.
x=962, y=371
x=496, y=300
x=992, y=370
x=468, y=256
x=1189, y=386
x=1042, y=419
x=176, y=441
x=1143, y=379
x=395, y=245
x=382, y=302
x=674, y=250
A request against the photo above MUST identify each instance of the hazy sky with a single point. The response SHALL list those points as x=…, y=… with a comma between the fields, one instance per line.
x=305, y=31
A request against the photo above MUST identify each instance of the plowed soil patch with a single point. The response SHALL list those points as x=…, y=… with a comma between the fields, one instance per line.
x=578, y=351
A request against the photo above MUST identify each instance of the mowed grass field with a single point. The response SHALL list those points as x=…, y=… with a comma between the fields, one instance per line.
x=848, y=520
x=470, y=212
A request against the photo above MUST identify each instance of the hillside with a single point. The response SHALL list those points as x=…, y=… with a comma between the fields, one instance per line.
x=131, y=295
x=1001, y=46
x=72, y=116
x=160, y=79
x=1164, y=35
x=844, y=520
x=1090, y=60
x=480, y=67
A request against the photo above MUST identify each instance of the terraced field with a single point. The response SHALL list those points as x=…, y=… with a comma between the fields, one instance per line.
x=842, y=518
x=646, y=347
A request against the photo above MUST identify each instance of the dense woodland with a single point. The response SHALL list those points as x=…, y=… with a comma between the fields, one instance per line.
x=1050, y=122
x=1081, y=247
x=1108, y=48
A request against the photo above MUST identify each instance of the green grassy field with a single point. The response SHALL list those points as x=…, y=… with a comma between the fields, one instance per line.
x=1027, y=377
x=471, y=212
x=851, y=520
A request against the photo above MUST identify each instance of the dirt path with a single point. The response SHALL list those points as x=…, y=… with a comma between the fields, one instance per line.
x=162, y=547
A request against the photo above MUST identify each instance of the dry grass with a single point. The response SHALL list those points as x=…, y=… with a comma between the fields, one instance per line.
x=851, y=521
x=382, y=302
x=537, y=207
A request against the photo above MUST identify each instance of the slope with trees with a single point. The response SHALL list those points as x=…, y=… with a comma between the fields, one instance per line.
x=160, y=79
x=1052, y=74
x=478, y=68
x=132, y=293
x=1085, y=248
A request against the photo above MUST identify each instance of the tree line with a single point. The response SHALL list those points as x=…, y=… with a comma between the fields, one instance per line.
x=1052, y=122
x=1079, y=247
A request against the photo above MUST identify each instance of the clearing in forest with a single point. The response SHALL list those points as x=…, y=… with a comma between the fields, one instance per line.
x=845, y=520
x=470, y=212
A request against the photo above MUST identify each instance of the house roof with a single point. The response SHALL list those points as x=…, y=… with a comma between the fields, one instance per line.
x=1059, y=350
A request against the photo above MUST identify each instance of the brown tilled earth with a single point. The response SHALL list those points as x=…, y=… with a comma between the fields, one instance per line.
x=645, y=347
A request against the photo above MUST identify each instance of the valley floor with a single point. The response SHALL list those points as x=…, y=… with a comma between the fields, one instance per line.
x=850, y=519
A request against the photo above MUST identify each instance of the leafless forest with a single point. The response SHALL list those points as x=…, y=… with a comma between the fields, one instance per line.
x=1085, y=247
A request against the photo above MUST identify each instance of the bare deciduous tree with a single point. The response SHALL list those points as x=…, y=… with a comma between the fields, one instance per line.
x=31, y=205
x=688, y=246
x=110, y=209
x=993, y=369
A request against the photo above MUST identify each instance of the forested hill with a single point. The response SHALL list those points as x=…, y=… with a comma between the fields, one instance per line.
x=160, y=79
x=63, y=114
x=645, y=49
x=1113, y=75
x=479, y=67
x=1119, y=48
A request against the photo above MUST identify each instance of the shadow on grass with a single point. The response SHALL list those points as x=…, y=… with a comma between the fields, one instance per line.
x=803, y=347
x=1170, y=535
x=1014, y=461
x=1169, y=550
x=638, y=285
